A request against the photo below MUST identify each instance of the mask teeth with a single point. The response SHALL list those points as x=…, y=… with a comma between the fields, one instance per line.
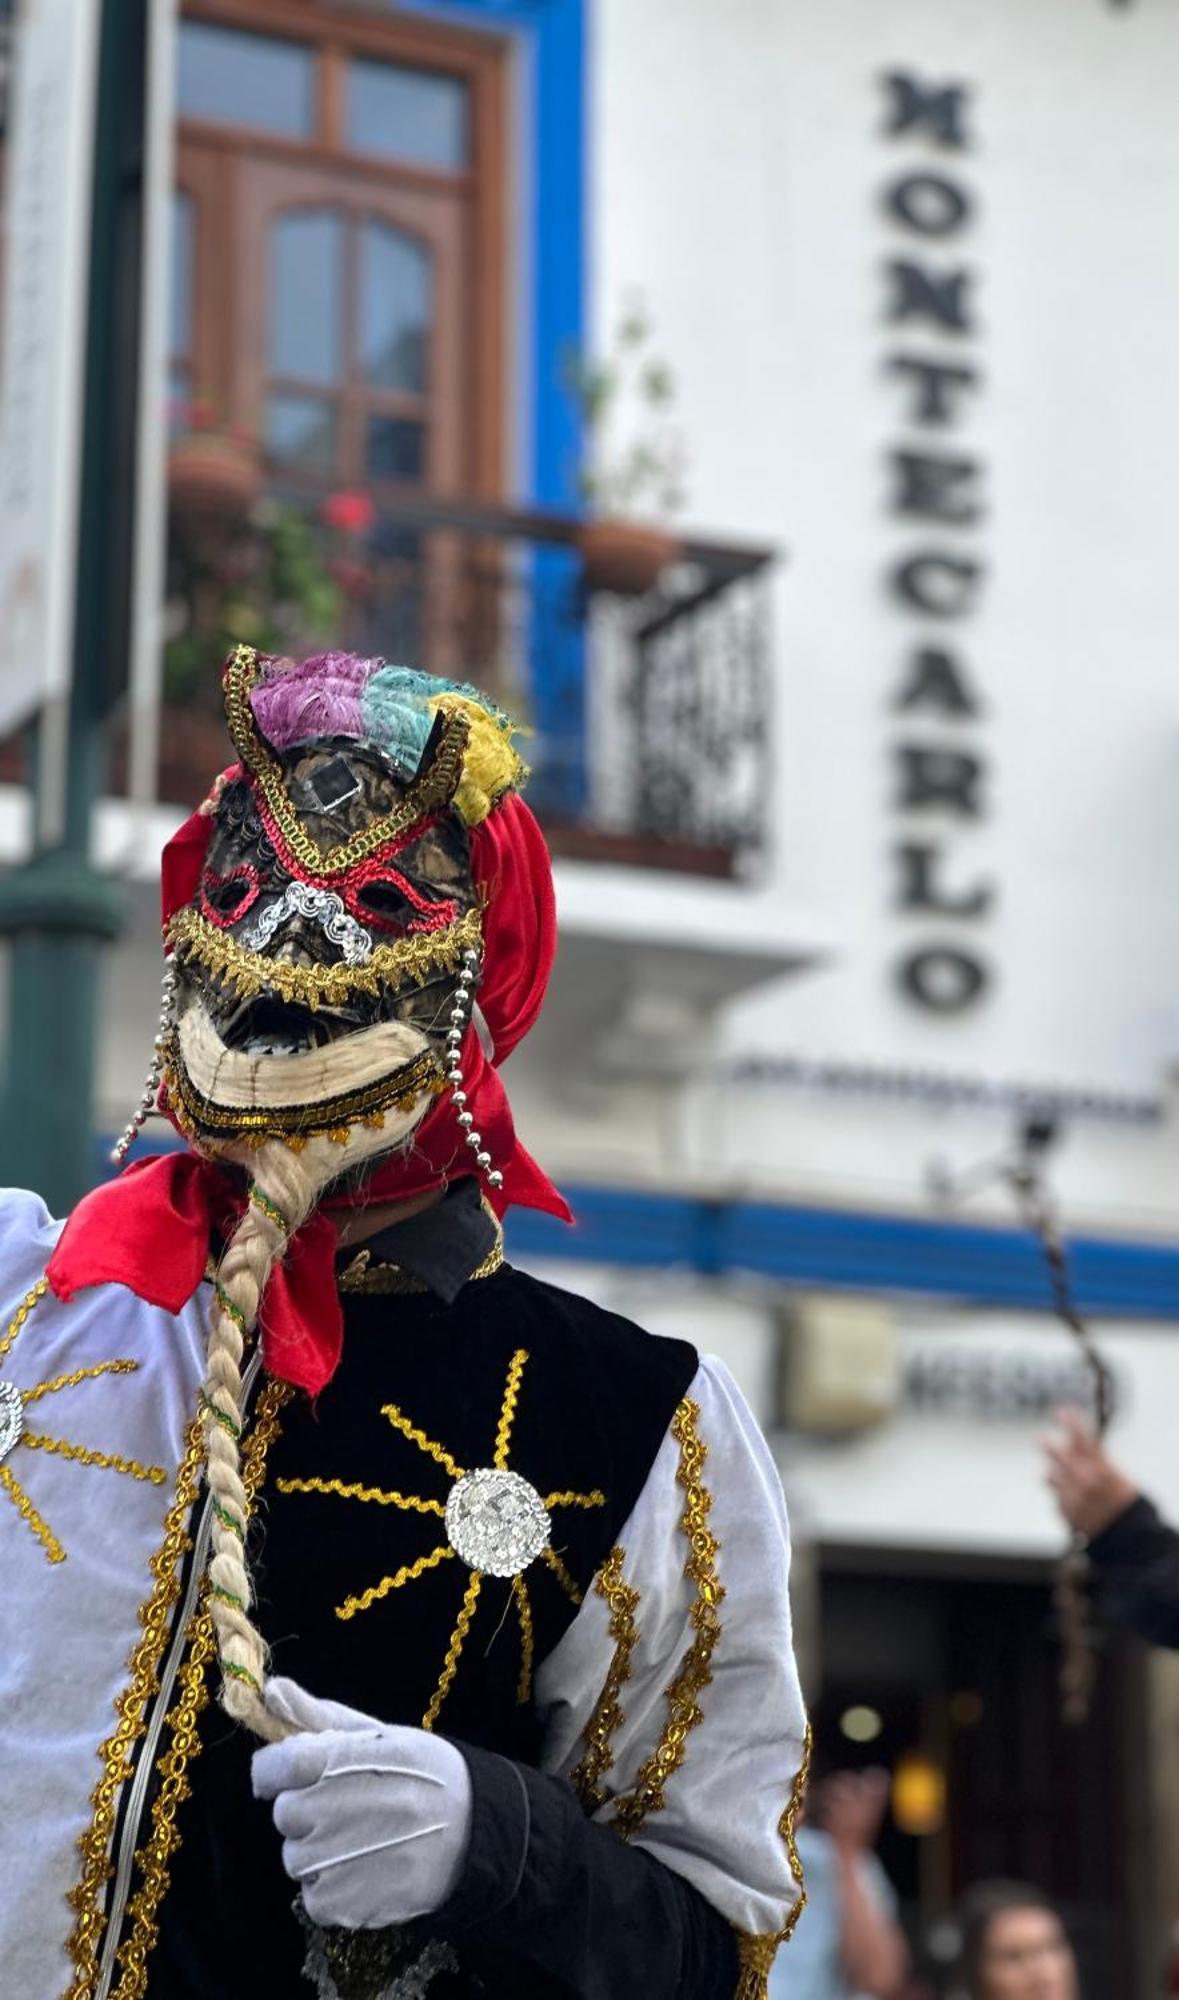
x=155, y=1072
x=460, y=1016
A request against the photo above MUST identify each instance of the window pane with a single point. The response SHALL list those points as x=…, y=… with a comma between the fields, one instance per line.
x=301, y=431
x=407, y=114
x=395, y=310
x=306, y=294
x=241, y=79
x=180, y=329
x=395, y=449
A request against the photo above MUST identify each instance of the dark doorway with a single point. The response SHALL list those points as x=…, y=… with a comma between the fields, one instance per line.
x=962, y=1670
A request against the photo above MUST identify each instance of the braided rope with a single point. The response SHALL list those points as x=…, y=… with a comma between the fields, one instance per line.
x=285, y=1186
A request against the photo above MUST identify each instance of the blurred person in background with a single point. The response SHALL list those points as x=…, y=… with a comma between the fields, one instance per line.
x=1014, y=1945
x=848, y=1944
x=1133, y=1551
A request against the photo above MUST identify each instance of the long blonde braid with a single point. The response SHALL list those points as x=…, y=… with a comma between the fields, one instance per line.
x=284, y=1188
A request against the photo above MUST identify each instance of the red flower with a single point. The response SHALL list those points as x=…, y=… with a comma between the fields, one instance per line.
x=352, y=513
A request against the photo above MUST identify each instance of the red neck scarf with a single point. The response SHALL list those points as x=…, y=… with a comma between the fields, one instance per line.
x=151, y=1229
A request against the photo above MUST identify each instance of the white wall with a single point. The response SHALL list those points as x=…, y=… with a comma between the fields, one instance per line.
x=737, y=168
x=737, y=162
x=936, y=1481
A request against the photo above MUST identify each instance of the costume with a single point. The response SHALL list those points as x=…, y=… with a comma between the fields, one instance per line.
x=498, y=1580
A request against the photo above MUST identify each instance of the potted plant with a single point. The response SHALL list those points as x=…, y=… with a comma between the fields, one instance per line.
x=289, y=576
x=214, y=471
x=631, y=478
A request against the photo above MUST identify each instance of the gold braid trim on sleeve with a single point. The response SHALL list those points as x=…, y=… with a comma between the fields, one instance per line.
x=695, y=1671
x=757, y=1953
x=153, y=1857
x=87, y=1897
x=608, y=1715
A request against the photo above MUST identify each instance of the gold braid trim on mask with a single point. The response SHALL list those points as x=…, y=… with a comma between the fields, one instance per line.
x=429, y=793
x=329, y=1117
x=194, y=939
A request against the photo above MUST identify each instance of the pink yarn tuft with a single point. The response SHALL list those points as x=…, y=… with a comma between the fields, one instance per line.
x=318, y=697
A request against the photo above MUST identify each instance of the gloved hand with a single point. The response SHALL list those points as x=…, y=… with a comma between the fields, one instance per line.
x=375, y=1818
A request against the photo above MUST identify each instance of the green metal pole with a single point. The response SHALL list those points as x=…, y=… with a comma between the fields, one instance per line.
x=58, y=910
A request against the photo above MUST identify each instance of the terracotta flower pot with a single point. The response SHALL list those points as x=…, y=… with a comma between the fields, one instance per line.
x=626, y=557
x=212, y=476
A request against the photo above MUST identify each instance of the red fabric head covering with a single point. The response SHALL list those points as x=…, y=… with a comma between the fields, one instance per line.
x=514, y=875
x=150, y=1228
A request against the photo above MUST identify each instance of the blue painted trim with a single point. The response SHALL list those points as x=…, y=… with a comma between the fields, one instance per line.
x=551, y=35
x=554, y=36
x=967, y=1263
x=829, y=1249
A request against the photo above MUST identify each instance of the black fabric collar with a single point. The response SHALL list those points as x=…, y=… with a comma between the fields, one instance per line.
x=442, y=1246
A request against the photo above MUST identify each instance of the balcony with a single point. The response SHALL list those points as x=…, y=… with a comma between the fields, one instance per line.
x=647, y=714
x=651, y=737
x=651, y=752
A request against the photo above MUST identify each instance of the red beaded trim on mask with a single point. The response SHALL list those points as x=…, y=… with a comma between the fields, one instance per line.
x=431, y=915
x=245, y=873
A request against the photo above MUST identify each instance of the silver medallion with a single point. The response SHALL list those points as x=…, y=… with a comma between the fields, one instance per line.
x=496, y=1521
x=12, y=1419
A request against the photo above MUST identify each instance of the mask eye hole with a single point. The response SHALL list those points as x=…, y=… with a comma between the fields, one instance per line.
x=226, y=898
x=383, y=903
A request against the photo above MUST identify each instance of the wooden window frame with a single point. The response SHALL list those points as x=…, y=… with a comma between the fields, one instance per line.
x=335, y=35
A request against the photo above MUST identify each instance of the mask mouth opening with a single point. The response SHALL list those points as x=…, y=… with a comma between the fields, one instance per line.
x=267, y=1025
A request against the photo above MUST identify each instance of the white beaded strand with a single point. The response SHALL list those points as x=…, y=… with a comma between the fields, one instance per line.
x=460, y=1015
x=164, y=1032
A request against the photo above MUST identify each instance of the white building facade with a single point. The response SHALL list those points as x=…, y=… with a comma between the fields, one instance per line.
x=911, y=268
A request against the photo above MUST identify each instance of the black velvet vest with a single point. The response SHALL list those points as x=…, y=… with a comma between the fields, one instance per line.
x=593, y=1396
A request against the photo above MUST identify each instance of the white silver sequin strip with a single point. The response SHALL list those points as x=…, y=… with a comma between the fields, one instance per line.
x=325, y=907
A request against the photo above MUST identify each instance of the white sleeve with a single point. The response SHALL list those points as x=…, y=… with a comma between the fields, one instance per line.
x=672, y=1701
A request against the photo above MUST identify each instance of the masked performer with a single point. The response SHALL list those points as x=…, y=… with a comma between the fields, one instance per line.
x=530, y=1716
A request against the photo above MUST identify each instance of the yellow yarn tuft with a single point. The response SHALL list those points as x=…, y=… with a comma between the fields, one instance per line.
x=491, y=763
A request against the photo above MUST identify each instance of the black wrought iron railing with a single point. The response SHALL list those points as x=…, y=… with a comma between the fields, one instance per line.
x=649, y=708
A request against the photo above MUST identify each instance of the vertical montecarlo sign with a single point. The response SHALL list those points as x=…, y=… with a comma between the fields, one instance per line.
x=934, y=488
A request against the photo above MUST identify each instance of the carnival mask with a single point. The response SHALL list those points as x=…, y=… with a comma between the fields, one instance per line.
x=326, y=968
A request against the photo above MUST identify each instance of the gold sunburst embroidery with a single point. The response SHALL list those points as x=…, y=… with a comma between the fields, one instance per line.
x=15, y=1433
x=445, y=1551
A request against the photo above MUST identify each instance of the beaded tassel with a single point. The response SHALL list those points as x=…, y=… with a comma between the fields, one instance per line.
x=460, y=1016
x=155, y=1072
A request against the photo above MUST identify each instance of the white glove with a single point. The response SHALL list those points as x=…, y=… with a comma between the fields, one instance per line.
x=375, y=1818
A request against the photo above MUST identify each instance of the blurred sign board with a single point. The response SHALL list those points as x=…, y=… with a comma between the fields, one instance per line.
x=47, y=232
x=958, y=1466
